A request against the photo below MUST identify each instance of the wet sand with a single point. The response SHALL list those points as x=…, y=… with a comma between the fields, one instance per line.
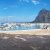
x=24, y=42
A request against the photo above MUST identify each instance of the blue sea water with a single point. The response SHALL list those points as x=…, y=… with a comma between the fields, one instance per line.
x=26, y=27
x=11, y=27
x=18, y=27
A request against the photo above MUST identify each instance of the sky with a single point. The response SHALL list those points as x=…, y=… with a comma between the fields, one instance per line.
x=21, y=10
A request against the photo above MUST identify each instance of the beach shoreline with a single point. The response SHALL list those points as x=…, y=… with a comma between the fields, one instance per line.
x=38, y=39
x=29, y=32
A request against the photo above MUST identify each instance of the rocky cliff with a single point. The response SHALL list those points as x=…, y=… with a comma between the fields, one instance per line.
x=43, y=17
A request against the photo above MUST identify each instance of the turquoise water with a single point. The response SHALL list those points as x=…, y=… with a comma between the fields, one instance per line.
x=25, y=27
x=10, y=27
x=20, y=27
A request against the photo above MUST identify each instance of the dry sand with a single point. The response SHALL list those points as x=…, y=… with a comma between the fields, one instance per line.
x=30, y=32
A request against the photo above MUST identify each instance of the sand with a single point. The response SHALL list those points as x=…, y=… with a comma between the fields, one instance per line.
x=25, y=40
x=29, y=32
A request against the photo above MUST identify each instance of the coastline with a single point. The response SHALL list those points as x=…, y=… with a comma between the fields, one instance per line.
x=29, y=32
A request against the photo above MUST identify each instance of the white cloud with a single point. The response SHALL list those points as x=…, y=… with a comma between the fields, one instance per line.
x=35, y=2
x=7, y=18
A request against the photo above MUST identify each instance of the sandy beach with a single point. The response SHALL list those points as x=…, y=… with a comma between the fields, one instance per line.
x=25, y=40
x=29, y=32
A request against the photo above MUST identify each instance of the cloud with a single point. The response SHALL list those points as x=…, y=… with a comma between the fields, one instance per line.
x=7, y=18
x=35, y=2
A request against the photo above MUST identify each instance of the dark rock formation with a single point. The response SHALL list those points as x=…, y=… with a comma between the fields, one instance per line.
x=43, y=17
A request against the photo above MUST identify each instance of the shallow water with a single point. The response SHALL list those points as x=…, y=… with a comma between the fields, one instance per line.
x=8, y=27
x=25, y=27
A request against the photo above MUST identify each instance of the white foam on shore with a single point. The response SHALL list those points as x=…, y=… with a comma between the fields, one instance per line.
x=30, y=32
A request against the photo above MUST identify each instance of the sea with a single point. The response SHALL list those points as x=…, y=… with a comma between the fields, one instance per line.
x=4, y=26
